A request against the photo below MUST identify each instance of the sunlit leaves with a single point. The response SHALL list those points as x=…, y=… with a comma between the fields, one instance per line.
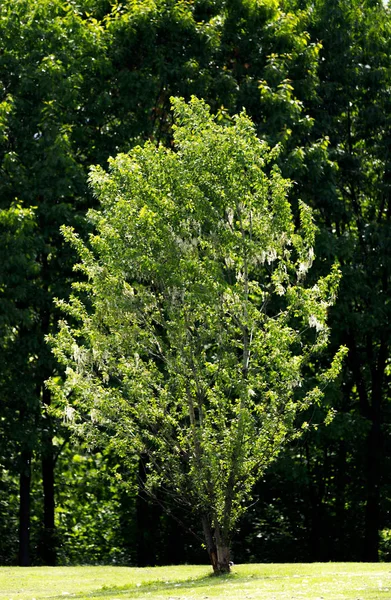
x=197, y=336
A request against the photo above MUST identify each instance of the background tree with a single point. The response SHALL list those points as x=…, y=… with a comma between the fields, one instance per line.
x=360, y=148
x=79, y=82
x=48, y=56
x=17, y=424
x=200, y=325
x=347, y=479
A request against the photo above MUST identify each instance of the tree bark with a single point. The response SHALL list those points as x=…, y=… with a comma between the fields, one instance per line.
x=316, y=489
x=223, y=560
x=372, y=508
x=340, y=501
x=48, y=547
x=371, y=409
x=210, y=543
x=374, y=455
x=223, y=552
x=48, y=550
x=24, y=508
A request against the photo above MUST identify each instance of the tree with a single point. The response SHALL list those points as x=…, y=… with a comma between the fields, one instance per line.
x=17, y=274
x=48, y=56
x=196, y=326
x=80, y=81
x=359, y=99
x=352, y=108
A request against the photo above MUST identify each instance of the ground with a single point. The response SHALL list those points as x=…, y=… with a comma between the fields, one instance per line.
x=326, y=581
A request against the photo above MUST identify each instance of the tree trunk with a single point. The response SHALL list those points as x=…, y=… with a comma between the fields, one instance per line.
x=47, y=548
x=374, y=453
x=210, y=543
x=372, y=508
x=371, y=407
x=223, y=560
x=340, y=550
x=316, y=490
x=24, y=508
x=223, y=552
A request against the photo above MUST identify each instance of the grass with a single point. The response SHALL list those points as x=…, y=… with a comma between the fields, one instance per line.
x=316, y=581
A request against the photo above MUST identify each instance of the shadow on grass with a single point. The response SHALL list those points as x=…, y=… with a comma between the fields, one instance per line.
x=176, y=589
x=138, y=590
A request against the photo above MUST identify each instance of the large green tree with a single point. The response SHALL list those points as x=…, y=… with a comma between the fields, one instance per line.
x=348, y=464
x=80, y=81
x=17, y=427
x=48, y=72
x=360, y=146
x=197, y=325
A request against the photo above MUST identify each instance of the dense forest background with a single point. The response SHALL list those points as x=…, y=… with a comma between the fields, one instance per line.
x=82, y=80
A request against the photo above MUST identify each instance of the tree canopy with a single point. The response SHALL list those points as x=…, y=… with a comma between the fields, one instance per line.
x=197, y=325
x=83, y=80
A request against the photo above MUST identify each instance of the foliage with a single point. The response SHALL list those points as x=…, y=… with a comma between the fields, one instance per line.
x=90, y=508
x=47, y=57
x=83, y=80
x=352, y=109
x=201, y=324
x=8, y=516
x=80, y=81
x=18, y=270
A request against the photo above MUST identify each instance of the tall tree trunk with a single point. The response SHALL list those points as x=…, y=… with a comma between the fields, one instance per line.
x=48, y=549
x=49, y=553
x=48, y=546
x=340, y=501
x=372, y=508
x=24, y=508
x=316, y=489
x=374, y=454
x=370, y=408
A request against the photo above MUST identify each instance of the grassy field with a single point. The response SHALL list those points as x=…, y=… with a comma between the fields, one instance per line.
x=326, y=581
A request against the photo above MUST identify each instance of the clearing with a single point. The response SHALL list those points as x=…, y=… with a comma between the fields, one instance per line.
x=316, y=581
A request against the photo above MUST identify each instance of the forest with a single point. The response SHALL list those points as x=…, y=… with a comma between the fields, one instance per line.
x=83, y=81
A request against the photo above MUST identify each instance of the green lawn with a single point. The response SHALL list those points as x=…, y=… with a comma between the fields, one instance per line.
x=326, y=581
